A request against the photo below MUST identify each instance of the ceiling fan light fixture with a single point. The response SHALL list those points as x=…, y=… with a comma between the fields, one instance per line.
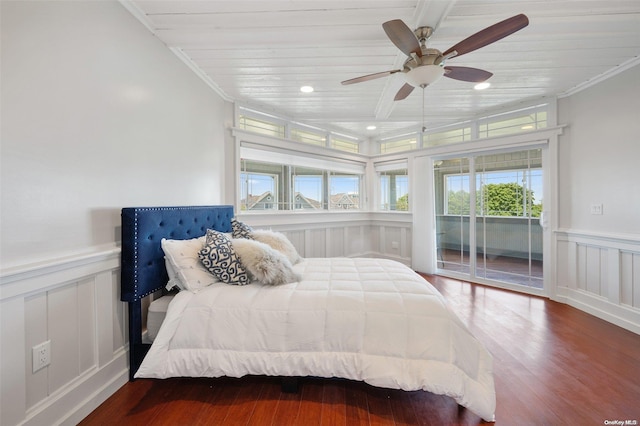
x=482, y=86
x=306, y=89
x=371, y=127
x=424, y=75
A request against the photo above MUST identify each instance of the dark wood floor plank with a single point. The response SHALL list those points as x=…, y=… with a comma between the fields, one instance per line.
x=287, y=409
x=435, y=410
x=310, y=410
x=380, y=412
x=334, y=411
x=266, y=404
x=221, y=395
x=553, y=364
x=128, y=401
x=357, y=412
x=403, y=412
x=245, y=401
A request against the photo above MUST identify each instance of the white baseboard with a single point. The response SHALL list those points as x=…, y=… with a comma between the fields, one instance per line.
x=627, y=318
x=71, y=404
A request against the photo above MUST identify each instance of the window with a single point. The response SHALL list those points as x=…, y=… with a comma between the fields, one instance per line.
x=456, y=194
x=344, y=191
x=308, y=188
x=261, y=126
x=308, y=136
x=448, y=136
x=393, y=181
x=515, y=122
x=404, y=144
x=522, y=120
x=271, y=180
x=259, y=184
x=345, y=145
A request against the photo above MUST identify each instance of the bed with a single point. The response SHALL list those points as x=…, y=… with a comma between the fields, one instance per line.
x=366, y=319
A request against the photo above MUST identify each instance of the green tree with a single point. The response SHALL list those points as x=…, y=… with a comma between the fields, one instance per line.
x=508, y=199
x=458, y=203
x=496, y=199
x=403, y=203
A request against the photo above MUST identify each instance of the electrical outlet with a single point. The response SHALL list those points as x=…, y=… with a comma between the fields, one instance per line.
x=596, y=208
x=41, y=355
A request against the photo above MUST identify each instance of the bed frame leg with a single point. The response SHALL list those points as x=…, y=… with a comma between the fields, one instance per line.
x=290, y=384
x=137, y=349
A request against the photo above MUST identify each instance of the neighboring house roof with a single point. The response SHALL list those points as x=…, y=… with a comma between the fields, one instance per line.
x=343, y=199
x=253, y=200
x=310, y=202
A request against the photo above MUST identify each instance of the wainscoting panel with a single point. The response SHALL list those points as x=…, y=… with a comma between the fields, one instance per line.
x=315, y=243
x=75, y=305
x=353, y=234
x=356, y=240
x=336, y=240
x=600, y=274
x=630, y=279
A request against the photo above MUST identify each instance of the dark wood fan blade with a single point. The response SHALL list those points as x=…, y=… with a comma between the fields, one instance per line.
x=467, y=74
x=490, y=35
x=402, y=37
x=370, y=77
x=403, y=92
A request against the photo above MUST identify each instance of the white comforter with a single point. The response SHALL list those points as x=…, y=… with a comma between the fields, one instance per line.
x=373, y=320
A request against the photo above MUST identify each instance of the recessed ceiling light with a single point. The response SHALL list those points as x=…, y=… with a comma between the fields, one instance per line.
x=482, y=86
x=372, y=127
x=306, y=89
x=527, y=127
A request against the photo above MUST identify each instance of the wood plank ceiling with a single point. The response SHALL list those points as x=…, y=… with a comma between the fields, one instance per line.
x=259, y=54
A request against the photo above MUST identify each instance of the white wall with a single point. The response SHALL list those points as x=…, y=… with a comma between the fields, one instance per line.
x=597, y=262
x=97, y=114
x=599, y=154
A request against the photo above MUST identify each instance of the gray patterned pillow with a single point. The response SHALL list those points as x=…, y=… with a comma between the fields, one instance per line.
x=240, y=229
x=221, y=260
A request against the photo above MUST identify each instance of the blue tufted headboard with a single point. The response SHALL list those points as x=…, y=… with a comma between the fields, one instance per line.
x=143, y=267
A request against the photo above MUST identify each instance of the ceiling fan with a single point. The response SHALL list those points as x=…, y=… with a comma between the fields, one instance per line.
x=426, y=65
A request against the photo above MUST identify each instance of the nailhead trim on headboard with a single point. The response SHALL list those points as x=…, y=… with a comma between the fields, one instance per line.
x=143, y=228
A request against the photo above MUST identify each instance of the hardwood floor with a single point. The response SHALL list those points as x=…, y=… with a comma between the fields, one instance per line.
x=553, y=365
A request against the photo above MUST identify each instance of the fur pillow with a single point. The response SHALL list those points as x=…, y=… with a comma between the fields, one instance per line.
x=277, y=241
x=264, y=263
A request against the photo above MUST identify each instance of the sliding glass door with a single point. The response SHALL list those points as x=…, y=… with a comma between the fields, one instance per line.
x=488, y=210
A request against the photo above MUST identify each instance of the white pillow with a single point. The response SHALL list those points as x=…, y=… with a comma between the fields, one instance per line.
x=188, y=272
x=277, y=241
x=174, y=282
x=265, y=264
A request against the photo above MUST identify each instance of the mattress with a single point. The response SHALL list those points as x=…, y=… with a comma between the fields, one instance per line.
x=156, y=314
x=372, y=320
